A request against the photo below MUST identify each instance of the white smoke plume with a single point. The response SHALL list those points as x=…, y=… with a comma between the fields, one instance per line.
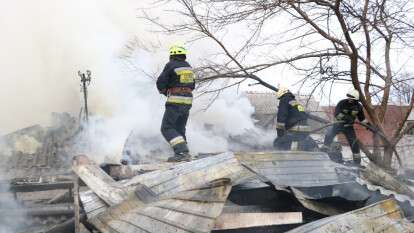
x=45, y=43
x=10, y=223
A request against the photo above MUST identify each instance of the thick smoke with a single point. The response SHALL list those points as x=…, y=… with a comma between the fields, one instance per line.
x=45, y=44
x=10, y=223
x=138, y=112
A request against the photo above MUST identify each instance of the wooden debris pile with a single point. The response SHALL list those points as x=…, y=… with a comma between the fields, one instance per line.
x=38, y=204
x=247, y=192
x=207, y=195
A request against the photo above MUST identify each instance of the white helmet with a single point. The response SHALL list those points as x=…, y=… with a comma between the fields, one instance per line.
x=353, y=94
x=281, y=92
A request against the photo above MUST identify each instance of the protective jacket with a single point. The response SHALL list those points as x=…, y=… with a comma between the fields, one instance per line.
x=177, y=81
x=290, y=113
x=348, y=110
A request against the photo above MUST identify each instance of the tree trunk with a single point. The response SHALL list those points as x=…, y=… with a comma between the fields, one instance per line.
x=387, y=158
x=377, y=149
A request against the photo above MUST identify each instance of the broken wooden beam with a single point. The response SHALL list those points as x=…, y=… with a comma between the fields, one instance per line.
x=43, y=210
x=188, y=211
x=35, y=187
x=228, y=221
x=122, y=172
x=97, y=180
x=180, y=177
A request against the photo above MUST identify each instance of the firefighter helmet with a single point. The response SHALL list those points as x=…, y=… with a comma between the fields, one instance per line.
x=353, y=94
x=281, y=92
x=178, y=49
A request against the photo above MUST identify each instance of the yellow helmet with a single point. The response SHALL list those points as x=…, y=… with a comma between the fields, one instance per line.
x=353, y=94
x=281, y=92
x=178, y=49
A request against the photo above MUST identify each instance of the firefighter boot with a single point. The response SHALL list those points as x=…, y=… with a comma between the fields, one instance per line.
x=180, y=157
x=181, y=153
x=357, y=159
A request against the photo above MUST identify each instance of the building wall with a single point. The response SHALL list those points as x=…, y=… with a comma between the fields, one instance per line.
x=265, y=105
x=406, y=150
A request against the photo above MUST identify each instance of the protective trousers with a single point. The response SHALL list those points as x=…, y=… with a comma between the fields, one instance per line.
x=173, y=126
x=295, y=141
x=349, y=132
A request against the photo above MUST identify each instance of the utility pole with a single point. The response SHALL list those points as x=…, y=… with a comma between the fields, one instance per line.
x=85, y=80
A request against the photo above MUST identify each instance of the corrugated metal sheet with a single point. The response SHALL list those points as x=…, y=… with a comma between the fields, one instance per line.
x=297, y=168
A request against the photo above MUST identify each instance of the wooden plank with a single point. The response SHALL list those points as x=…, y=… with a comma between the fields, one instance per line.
x=92, y=204
x=187, y=211
x=180, y=177
x=35, y=187
x=385, y=216
x=245, y=220
x=97, y=180
x=129, y=171
x=40, y=210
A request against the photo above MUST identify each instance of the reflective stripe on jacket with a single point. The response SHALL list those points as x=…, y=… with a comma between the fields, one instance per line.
x=177, y=81
x=174, y=99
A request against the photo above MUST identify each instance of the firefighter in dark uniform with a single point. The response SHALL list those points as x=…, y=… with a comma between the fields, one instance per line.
x=177, y=83
x=292, y=128
x=346, y=111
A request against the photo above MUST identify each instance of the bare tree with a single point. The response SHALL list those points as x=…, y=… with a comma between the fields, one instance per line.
x=324, y=41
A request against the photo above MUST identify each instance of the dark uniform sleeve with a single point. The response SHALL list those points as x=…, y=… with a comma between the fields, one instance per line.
x=339, y=107
x=162, y=81
x=361, y=115
x=282, y=115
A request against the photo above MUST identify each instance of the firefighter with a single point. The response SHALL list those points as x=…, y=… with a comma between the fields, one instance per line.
x=346, y=111
x=177, y=81
x=292, y=128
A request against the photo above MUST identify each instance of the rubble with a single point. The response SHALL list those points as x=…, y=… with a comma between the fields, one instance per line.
x=162, y=196
x=181, y=177
x=38, y=151
x=243, y=191
x=194, y=210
